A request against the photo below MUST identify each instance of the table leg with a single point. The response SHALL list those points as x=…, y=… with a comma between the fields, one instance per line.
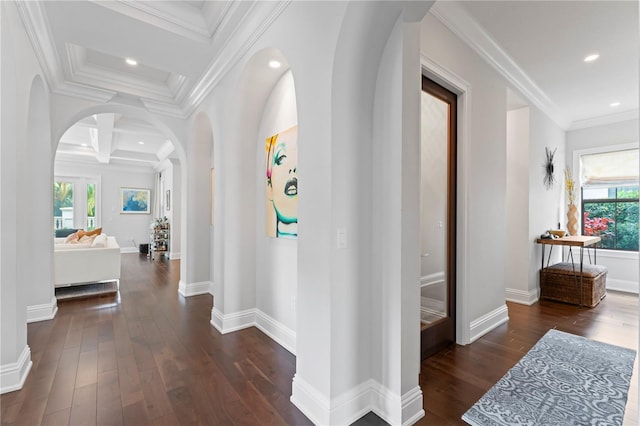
x=581, y=260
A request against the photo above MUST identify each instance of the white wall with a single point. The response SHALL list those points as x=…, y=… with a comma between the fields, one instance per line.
x=276, y=258
x=518, y=247
x=546, y=206
x=18, y=68
x=623, y=266
x=126, y=228
x=41, y=301
x=348, y=332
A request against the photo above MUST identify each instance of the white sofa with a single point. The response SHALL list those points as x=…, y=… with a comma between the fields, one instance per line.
x=77, y=264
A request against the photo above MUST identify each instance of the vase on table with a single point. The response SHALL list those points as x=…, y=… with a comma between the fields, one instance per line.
x=572, y=220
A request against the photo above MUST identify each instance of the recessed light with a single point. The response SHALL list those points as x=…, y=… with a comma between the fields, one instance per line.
x=614, y=104
x=140, y=143
x=131, y=62
x=591, y=57
x=275, y=64
x=83, y=144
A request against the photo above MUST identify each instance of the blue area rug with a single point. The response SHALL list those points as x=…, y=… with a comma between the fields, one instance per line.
x=563, y=380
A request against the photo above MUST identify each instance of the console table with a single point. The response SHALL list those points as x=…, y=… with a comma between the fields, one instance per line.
x=580, y=241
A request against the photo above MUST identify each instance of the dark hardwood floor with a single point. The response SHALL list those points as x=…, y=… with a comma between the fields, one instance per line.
x=151, y=357
x=454, y=379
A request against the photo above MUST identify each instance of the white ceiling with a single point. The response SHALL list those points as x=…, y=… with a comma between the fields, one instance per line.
x=541, y=45
x=183, y=48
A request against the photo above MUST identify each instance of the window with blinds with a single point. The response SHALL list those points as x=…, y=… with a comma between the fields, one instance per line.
x=609, y=185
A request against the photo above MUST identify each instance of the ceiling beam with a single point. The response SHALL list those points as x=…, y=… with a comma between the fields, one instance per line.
x=102, y=137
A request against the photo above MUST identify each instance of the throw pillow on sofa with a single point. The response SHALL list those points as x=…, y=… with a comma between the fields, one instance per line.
x=100, y=241
x=71, y=238
x=82, y=233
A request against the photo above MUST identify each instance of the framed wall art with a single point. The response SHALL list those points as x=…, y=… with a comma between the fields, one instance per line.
x=135, y=201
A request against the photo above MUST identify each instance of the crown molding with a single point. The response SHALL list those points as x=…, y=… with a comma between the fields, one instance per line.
x=182, y=102
x=164, y=108
x=81, y=91
x=83, y=72
x=36, y=24
x=254, y=24
x=179, y=18
x=456, y=18
x=631, y=114
x=217, y=20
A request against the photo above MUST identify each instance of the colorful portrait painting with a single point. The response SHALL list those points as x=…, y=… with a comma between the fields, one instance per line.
x=282, y=184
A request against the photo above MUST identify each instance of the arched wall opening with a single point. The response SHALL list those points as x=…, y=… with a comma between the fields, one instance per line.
x=133, y=234
x=256, y=272
x=34, y=193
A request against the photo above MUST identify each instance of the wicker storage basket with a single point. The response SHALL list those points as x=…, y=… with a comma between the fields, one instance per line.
x=558, y=282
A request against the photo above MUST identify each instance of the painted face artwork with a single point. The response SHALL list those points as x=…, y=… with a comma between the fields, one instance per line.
x=282, y=184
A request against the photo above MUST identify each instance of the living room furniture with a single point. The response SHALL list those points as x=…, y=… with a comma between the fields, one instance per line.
x=567, y=282
x=78, y=264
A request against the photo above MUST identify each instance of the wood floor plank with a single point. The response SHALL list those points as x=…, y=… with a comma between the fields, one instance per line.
x=57, y=418
x=84, y=407
x=109, y=403
x=87, y=373
x=150, y=357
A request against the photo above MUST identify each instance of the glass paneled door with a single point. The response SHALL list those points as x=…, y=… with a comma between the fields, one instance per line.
x=437, y=218
x=62, y=204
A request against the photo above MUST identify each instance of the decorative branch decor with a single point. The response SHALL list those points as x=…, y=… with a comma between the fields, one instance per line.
x=549, y=178
x=571, y=186
x=572, y=210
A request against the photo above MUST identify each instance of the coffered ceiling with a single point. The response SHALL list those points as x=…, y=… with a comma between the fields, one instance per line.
x=183, y=48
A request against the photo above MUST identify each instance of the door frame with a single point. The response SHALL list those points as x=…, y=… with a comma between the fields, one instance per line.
x=439, y=334
x=462, y=88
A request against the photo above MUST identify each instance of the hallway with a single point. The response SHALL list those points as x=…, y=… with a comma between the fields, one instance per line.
x=150, y=356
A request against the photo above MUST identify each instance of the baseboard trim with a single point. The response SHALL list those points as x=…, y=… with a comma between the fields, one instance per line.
x=174, y=256
x=44, y=312
x=228, y=323
x=353, y=404
x=311, y=402
x=622, y=285
x=522, y=297
x=13, y=375
x=481, y=326
x=193, y=289
x=356, y=402
x=394, y=409
x=277, y=331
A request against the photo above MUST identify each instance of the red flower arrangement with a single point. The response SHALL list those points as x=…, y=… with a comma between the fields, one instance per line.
x=596, y=226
